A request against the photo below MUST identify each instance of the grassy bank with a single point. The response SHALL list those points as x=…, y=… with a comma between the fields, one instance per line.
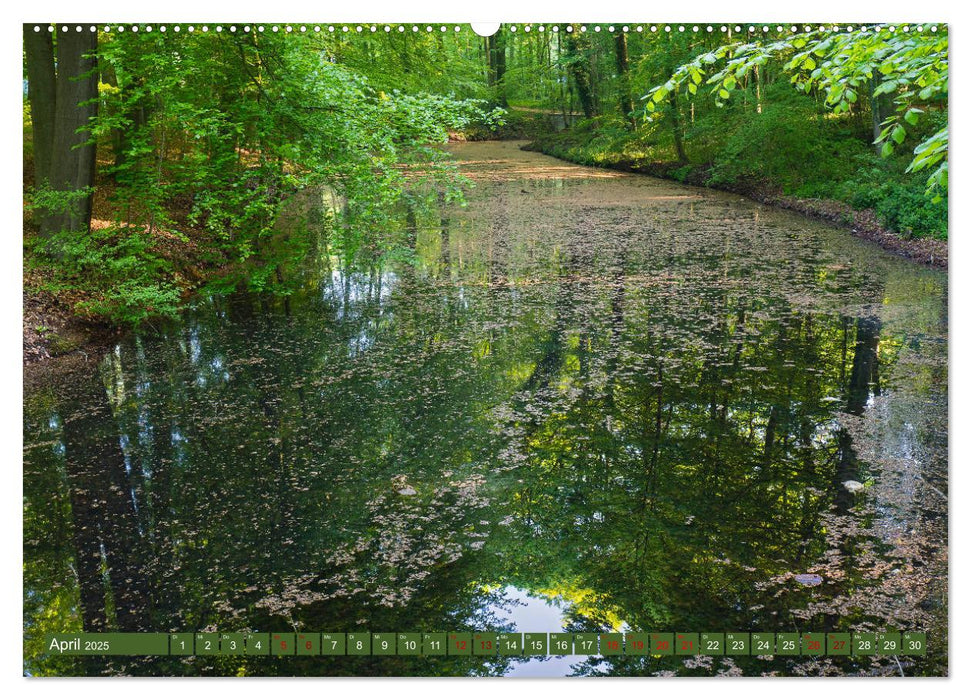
x=825, y=171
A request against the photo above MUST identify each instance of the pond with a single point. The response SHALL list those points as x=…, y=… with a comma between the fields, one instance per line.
x=594, y=401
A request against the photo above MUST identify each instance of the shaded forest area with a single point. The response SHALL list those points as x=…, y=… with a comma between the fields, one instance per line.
x=156, y=162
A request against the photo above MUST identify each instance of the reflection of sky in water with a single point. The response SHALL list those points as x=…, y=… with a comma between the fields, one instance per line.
x=348, y=291
x=531, y=613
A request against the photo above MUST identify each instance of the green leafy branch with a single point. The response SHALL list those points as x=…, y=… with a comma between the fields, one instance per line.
x=912, y=67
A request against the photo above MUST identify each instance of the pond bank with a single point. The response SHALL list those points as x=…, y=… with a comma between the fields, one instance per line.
x=861, y=223
x=52, y=330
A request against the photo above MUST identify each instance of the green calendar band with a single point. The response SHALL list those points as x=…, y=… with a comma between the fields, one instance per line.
x=526, y=644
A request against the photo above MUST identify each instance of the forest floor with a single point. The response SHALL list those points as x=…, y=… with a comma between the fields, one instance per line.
x=861, y=223
x=53, y=329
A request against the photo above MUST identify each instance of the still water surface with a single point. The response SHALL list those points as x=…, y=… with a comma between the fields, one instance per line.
x=597, y=402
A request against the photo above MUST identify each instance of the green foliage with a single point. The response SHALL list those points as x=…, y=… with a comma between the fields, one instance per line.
x=681, y=174
x=54, y=202
x=793, y=144
x=929, y=153
x=811, y=141
x=513, y=125
x=604, y=142
x=211, y=135
x=840, y=66
x=412, y=62
x=912, y=67
x=777, y=144
x=256, y=119
x=903, y=207
x=114, y=271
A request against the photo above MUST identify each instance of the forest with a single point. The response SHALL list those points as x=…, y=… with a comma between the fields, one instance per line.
x=159, y=159
x=571, y=328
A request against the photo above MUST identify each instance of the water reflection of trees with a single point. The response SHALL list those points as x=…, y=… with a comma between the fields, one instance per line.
x=666, y=451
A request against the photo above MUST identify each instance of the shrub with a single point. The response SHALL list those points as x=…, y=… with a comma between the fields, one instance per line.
x=907, y=210
x=778, y=144
x=115, y=271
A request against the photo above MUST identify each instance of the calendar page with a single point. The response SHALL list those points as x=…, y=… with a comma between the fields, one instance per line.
x=523, y=349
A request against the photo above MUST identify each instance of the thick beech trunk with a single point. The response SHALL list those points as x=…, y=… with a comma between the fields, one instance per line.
x=72, y=159
x=39, y=51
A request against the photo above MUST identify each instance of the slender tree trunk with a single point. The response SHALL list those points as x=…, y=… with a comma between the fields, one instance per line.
x=496, y=58
x=758, y=90
x=445, y=220
x=73, y=156
x=490, y=69
x=39, y=50
x=499, y=55
x=862, y=377
x=878, y=110
x=623, y=76
x=411, y=225
x=676, y=128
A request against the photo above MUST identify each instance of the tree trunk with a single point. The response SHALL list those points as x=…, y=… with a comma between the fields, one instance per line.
x=499, y=42
x=623, y=76
x=577, y=50
x=39, y=51
x=878, y=110
x=496, y=57
x=676, y=128
x=758, y=90
x=73, y=156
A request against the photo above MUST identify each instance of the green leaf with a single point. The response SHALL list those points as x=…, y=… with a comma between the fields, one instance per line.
x=885, y=87
x=898, y=134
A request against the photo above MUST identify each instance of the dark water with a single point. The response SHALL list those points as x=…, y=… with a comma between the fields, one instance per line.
x=597, y=402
